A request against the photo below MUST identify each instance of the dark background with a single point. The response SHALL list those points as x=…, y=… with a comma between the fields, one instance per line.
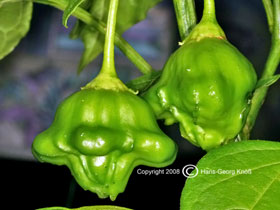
x=41, y=59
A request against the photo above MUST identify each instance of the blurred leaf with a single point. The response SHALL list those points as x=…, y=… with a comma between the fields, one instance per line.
x=129, y=13
x=87, y=208
x=15, y=19
x=144, y=82
x=74, y=4
x=268, y=81
x=241, y=175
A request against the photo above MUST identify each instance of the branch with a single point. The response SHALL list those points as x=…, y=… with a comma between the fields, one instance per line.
x=87, y=18
x=186, y=16
x=269, y=70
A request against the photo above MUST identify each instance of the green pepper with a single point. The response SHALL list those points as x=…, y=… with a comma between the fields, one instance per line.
x=104, y=130
x=206, y=86
x=101, y=135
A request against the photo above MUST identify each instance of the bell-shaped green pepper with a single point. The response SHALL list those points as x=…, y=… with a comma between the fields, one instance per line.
x=101, y=135
x=206, y=86
x=105, y=130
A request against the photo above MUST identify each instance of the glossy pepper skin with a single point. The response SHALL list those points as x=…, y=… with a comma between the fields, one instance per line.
x=101, y=135
x=206, y=86
x=103, y=131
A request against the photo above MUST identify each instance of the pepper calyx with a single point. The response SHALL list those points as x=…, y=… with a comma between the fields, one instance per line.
x=205, y=29
x=107, y=82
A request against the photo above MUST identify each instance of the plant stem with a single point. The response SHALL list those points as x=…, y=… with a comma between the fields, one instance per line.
x=186, y=16
x=269, y=70
x=209, y=13
x=108, y=66
x=269, y=13
x=123, y=45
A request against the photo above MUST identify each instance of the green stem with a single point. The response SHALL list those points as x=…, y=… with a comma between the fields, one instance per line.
x=108, y=66
x=186, y=16
x=276, y=26
x=122, y=44
x=209, y=13
x=208, y=26
x=269, y=13
x=269, y=70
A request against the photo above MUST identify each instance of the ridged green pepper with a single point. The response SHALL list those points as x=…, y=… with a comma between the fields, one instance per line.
x=101, y=135
x=206, y=86
x=105, y=130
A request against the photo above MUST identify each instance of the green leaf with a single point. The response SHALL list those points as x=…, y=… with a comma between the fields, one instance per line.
x=15, y=19
x=144, y=82
x=129, y=13
x=69, y=10
x=252, y=182
x=87, y=208
x=267, y=81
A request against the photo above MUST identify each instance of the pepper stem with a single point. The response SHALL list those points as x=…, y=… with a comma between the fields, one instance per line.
x=208, y=27
x=209, y=13
x=108, y=66
x=107, y=77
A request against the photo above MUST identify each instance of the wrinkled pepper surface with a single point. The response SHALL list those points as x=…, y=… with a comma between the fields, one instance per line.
x=206, y=86
x=101, y=135
x=105, y=130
